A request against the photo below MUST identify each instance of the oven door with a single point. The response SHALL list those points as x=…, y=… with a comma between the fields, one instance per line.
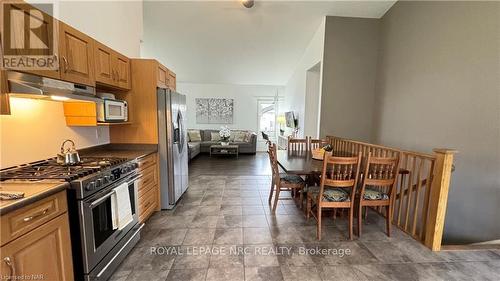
x=96, y=225
x=114, y=110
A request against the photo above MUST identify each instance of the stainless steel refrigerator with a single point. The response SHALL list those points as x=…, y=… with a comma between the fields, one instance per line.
x=172, y=146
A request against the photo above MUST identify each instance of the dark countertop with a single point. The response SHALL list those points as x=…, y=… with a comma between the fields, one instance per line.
x=130, y=151
x=33, y=191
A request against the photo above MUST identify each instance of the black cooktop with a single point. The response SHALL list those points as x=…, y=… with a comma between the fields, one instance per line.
x=50, y=169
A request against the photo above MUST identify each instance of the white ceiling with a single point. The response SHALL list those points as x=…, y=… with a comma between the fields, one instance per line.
x=223, y=42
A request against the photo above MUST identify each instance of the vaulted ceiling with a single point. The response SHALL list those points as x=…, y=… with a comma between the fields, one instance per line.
x=223, y=42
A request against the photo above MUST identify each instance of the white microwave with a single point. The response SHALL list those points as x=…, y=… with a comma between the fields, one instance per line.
x=112, y=111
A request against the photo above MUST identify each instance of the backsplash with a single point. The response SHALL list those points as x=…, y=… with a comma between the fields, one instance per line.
x=35, y=130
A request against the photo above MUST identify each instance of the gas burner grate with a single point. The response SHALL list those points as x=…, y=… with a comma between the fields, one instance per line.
x=50, y=169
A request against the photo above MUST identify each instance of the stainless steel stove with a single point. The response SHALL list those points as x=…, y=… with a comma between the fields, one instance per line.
x=97, y=248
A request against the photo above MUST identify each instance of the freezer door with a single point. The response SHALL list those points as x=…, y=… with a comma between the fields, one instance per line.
x=177, y=148
x=183, y=146
x=165, y=149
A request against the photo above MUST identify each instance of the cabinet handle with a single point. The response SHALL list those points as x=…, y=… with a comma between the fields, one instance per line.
x=117, y=76
x=8, y=261
x=44, y=212
x=66, y=64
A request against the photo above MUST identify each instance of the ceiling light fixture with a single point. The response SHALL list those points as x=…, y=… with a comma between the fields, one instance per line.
x=247, y=3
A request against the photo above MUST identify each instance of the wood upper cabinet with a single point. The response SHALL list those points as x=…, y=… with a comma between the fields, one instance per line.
x=44, y=252
x=4, y=97
x=104, y=70
x=111, y=67
x=171, y=80
x=162, y=76
x=122, y=71
x=76, y=52
x=165, y=77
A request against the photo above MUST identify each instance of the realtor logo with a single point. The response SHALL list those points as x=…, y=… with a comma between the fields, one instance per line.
x=29, y=37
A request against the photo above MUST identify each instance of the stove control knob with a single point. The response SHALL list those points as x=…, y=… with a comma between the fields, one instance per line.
x=98, y=182
x=90, y=186
x=107, y=178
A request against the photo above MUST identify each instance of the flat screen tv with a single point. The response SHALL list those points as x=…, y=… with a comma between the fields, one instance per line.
x=290, y=119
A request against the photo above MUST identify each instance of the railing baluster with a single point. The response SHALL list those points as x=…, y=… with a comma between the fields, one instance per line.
x=417, y=196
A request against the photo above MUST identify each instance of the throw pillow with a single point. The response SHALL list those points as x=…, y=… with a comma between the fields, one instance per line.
x=248, y=137
x=214, y=136
x=194, y=135
x=239, y=137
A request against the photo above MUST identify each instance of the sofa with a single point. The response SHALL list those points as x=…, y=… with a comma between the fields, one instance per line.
x=202, y=145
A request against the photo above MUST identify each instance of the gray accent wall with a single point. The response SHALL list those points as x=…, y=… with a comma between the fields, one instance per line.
x=349, y=73
x=438, y=85
x=426, y=75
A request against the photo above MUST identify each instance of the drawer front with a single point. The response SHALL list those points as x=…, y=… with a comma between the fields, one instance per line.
x=147, y=179
x=146, y=162
x=21, y=221
x=147, y=203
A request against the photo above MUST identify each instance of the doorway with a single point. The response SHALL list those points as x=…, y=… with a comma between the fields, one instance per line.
x=312, y=101
x=266, y=120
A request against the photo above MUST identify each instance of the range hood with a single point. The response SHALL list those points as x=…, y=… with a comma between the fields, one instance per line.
x=32, y=86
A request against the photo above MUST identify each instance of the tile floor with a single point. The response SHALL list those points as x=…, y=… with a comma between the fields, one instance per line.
x=222, y=229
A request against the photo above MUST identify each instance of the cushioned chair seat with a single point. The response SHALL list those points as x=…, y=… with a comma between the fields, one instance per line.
x=331, y=194
x=374, y=194
x=291, y=178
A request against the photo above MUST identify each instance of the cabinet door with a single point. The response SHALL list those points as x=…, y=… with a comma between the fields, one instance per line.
x=44, y=252
x=76, y=52
x=162, y=76
x=4, y=97
x=104, y=64
x=122, y=71
x=171, y=80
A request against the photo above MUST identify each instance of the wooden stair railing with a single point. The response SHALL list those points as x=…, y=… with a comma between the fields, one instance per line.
x=422, y=188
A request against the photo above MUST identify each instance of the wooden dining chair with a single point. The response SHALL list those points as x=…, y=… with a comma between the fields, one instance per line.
x=282, y=181
x=298, y=145
x=337, y=189
x=317, y=143
x=378, y=187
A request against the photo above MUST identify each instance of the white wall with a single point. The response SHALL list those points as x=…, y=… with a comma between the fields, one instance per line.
x=36, y=129
x=117, y=24
x=295, y=88
x=245, y=102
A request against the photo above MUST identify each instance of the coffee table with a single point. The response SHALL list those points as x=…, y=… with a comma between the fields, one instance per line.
x=218, y=149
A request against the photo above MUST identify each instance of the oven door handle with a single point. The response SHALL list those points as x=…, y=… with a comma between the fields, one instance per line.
x=101, y=199
x=133, y=178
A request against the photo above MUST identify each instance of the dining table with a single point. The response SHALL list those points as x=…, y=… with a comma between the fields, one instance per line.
x=302, y=162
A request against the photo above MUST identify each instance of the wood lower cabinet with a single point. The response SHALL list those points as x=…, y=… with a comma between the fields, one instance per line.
x=148, y=188
x=43, y=251
x=76, y=51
